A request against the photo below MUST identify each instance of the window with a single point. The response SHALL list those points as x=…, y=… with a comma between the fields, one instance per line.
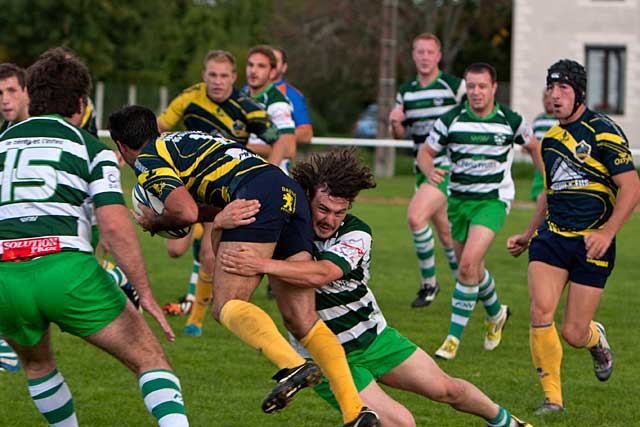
x=605, y=78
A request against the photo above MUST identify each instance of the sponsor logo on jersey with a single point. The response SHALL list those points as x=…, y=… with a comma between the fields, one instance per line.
x=582, y=151
x=623, y=159
x=438, y=102
x=499, y=138
x=289, y=200
x=23, y=249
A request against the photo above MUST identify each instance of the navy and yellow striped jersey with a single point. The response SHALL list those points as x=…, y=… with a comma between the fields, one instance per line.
x=209, y=167
x=235, y=118
x=580, y=159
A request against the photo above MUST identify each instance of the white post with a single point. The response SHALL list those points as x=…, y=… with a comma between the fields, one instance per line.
x=164, y=98
x=99, y=104
x=132, y=95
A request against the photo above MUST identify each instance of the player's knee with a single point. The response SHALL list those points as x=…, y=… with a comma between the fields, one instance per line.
x=469, y=272
x=447, y=390
x=416, y=220
x=174, y=252
x=540, y=315
x=38, y=368
x=574, y=335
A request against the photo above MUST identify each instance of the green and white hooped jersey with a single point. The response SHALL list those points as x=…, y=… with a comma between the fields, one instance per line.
x=480, y=151
x=347, y=305
x=541, y=124
x=423, y=105
x=51, y=173
x=279, y=109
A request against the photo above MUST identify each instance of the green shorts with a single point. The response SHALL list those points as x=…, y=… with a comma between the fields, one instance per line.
x=69, y=289
x=465, y=213
x=537, y=185
x=443, y=186
x=385, y=353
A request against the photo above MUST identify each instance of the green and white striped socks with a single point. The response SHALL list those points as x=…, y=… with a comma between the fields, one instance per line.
x=462, y=304
x=425, y=251
x=487, y=294
x=503, y=419
x=163, y=397
x=53, y=399
x=194, y=278
x=453, y=261
x=8, y=359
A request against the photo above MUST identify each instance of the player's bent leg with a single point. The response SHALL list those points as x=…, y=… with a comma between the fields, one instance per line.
x=204, y=284
x=425, y=203
x=440, y=220
x=391, y=412
x=297, y=306
x=131, y=341
x=580, y=331
x=47, y=387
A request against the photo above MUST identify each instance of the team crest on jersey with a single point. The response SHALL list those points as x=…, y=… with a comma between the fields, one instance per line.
x=438, y=102
x=289, y=200
x=239, y=125
x=582, y=151
x=499, y=138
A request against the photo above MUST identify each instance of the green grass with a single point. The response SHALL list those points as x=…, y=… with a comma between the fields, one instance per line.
x=224, y=381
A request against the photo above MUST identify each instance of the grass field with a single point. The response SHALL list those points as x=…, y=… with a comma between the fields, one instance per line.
x=224, y=381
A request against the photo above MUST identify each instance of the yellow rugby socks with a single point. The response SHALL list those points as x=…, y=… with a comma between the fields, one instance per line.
x=328, y=353
x=594, y=339
x=204, y=295
x=546, y=352
x=253, y=326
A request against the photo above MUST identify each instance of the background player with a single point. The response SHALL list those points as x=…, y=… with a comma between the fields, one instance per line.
x=304, y=128
x=592, y=188
x=261, y=71
x=418, y=104
x=479, y=136
x=14, y=99
x=541, y=124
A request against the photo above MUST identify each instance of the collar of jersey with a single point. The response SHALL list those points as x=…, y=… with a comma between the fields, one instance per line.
x=431, y=83
x=257, y=95
x=488, y=117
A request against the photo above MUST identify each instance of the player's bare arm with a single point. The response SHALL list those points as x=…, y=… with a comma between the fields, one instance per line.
x=396, y=117
x=518, y=243
x=434, y=175
x=118, y=233
x=628, y=184
x=306, y=274
x=533, y=148
x=179, y=210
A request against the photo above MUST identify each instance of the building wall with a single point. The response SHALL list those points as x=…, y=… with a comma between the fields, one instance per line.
x=547, y=30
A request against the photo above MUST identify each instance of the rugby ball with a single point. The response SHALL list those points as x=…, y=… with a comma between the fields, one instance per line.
x=141, y=196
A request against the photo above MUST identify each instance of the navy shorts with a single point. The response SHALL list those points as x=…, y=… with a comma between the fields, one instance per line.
x=570, y=253
x=284, y=216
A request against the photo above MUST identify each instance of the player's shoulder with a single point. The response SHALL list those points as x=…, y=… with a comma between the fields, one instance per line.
x=194, y=90
x=604, y=127
x=451, y=80
x=247, y=103
x=276, y=96
x=448, y=117
x=352, y=223
x=408, y=86
x=513, y=118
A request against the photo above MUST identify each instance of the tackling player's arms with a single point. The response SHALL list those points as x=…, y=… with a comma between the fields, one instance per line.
x=306, y=274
